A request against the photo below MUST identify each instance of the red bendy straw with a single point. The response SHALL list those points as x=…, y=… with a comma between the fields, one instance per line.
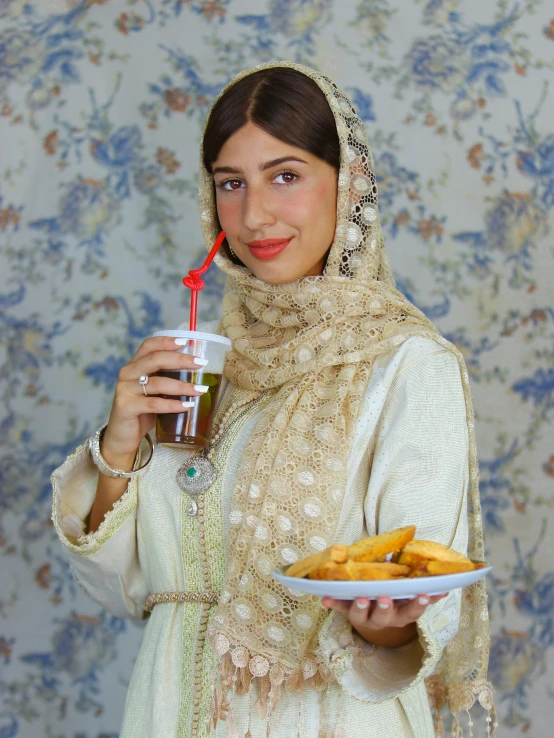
x=194, y=281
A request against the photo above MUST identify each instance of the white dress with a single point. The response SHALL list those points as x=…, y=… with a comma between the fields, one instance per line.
x=408, y=466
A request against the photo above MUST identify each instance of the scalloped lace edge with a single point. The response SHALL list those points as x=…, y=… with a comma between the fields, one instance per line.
x=431, y=655
x=90, y=543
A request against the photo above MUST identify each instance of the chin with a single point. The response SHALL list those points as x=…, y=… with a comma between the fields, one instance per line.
x=272, y=274
x=275, y=279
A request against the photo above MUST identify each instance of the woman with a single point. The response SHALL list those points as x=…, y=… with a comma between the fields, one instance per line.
x=345, y=414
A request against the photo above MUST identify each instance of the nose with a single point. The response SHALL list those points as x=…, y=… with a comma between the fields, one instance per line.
x=257, y=209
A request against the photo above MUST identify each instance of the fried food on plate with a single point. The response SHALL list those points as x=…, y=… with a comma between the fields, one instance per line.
x=427, y=558
x=377, y=548
x=336, y=554
x=365, y=560
x=356, y=571
x=416, y=552
x=331, y=571
x=437, y=568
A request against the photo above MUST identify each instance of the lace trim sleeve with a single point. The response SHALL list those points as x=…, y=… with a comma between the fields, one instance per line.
x=74, y=488
x=373, y=673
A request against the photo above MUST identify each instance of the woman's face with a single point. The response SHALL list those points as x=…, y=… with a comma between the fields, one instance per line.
x=277, y=203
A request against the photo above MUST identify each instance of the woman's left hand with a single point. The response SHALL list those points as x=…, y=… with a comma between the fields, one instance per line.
x=383, y=622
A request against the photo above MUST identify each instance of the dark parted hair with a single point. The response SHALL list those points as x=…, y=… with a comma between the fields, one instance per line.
x=284, y=103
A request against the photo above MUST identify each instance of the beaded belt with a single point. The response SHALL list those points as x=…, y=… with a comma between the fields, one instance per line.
x=160, y=598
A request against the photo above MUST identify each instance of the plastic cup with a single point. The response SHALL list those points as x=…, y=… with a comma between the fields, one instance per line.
x=193, y=428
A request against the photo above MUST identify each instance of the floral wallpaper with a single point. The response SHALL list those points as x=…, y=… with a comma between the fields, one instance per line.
x=101, y=108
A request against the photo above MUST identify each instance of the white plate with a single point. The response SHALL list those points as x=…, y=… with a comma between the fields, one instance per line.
x=397, y=589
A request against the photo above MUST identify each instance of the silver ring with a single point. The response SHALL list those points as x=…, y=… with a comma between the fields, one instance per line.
x=143, y=381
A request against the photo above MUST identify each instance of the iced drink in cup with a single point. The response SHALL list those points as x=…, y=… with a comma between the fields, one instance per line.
x=193, y=429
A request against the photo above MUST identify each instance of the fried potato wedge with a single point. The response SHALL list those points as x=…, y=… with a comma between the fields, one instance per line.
x=450, y=567
x=332, y=572
x=336, y=554
x=416, y=552
x=377, y=548
x=377, y=570
x=436, y=568
x=410, y=559
x=427, y=558
x=359, y=571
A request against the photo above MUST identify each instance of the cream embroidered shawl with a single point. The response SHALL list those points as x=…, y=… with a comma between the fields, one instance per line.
x=312, y=343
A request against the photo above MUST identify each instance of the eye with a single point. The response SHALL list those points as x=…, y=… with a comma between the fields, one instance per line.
x=230, y=185
x=286, y=177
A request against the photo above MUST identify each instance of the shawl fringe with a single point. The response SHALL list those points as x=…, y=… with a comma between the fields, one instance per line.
x=460, y=698
x=239, y=669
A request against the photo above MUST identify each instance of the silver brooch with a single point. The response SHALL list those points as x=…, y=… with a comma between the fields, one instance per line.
x=194, y=477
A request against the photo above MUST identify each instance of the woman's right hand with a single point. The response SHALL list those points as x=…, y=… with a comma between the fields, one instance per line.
x=133, y=413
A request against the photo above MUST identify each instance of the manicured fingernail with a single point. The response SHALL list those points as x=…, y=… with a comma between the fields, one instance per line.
x=383, y=605
x=199, y=362
x=423, y=600
x=188, y=403
x=201, y=387
x=362, y=605
x=181, y=341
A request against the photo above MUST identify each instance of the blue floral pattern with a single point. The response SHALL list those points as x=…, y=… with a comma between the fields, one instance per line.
x=101, y=108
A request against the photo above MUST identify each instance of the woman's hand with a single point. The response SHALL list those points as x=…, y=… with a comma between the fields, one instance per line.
x=133, y=412
x=383, y=622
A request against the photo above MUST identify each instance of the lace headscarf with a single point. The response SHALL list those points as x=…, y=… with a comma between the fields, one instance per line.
x=312, y=344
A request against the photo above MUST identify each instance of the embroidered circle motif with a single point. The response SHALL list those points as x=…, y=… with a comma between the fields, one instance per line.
x=235, y=517
x=243, y=610
x=317, y=543
x=303, y=620
x=312, y=508
x=221, y=644
x=285, y=523
x=306, y=478
x=263, y=566
x=240, y=656
x=275, y=633
x=259, y=666
x=271, y=602
x=289, y=554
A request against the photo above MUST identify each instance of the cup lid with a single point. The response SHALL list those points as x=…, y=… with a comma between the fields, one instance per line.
x=195, y=335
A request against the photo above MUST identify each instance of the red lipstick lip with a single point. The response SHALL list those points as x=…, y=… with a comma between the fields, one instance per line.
x=269, y=248
x=266, y=242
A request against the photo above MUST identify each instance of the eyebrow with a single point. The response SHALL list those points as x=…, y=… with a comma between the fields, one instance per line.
x=263, y=167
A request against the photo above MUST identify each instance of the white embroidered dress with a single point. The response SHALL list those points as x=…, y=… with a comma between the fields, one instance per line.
x=408, y=466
